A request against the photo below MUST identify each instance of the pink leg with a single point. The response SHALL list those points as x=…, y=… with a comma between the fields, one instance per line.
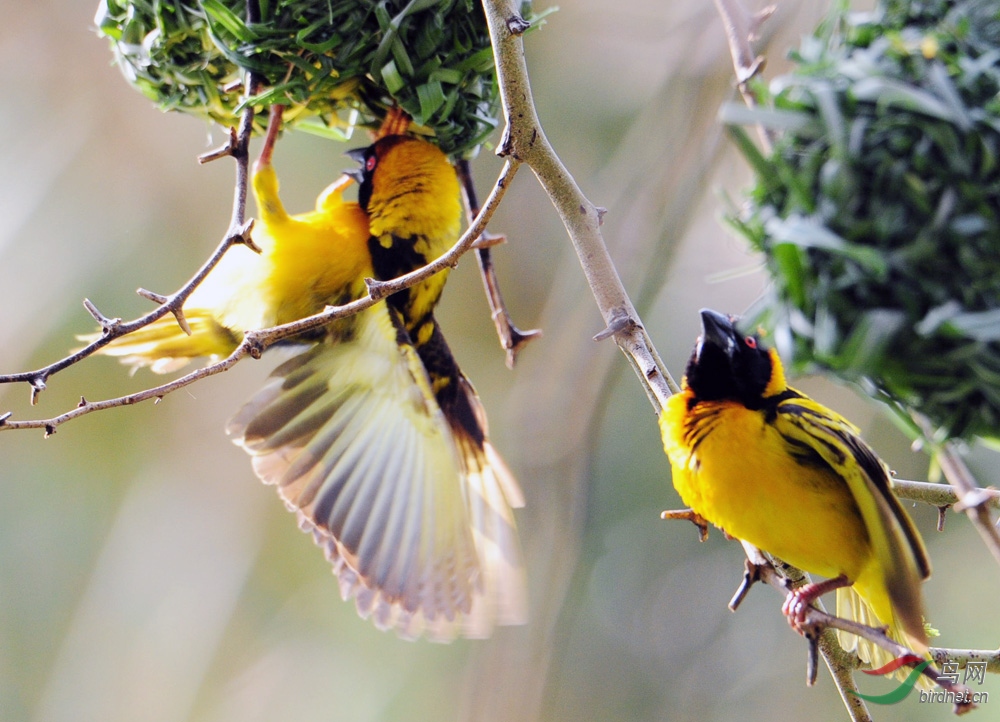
x=799, y=600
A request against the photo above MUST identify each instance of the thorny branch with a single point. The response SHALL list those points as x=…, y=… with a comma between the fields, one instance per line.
x=972, y=499
x=512, y=339
x=819, y=622
x=741, y=29
x=236, y=146
x=939, y=495
x=524, y=140
x=256, y=341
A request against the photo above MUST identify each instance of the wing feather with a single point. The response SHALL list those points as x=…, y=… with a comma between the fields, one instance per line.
x=492, y=494
x=898, y=550
x=416, y=523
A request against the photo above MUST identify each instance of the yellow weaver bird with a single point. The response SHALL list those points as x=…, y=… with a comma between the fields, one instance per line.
x=776, y=469
x=372, y=434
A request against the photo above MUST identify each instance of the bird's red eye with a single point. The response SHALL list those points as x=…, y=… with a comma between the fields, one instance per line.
x=371, y=163
x=750, y=341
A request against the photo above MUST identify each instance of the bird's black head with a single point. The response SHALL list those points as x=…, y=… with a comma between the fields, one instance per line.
x=728, y=365
x=368, y=158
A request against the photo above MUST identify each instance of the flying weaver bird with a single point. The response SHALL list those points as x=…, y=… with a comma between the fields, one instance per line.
x=776, y=469
x=372, y=435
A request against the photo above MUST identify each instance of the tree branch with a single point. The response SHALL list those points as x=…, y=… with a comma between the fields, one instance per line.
x=964, y=656
x=840, y=663
x=512, y=339
x=940, y=495
x=819, y=622
x=973, y=500
x=524, y=140
x=238, y=233
x=741, y=28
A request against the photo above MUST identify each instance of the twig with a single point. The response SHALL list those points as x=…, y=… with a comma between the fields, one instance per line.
x=512, y=339
x=255, y=342
x=689, y=515
x=524, y=140
x=969, y=497
x=238, y=233
x=939, y=495
x=840, y=663
x=741, y=27
x=973, y=500
x=963, y=657
x=819, y=621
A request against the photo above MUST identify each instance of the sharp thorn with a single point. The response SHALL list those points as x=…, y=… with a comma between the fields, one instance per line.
x=518, y=340
x=751, y=575
x=376, y=289
x=488, y=240
x=182, y=321
x=942, y=515
x=619, y=322
x=150, y=296
x=37, y=387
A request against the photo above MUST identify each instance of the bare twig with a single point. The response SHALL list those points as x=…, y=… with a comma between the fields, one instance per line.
x=817, y=621
x=839, y=663
x=238, y=233
x=741, y=28
x=939, y=495
x=512, y=339
x=964, y=656
x=689, y=515
x=524, y=140
x=974, y=501
x=255, y=342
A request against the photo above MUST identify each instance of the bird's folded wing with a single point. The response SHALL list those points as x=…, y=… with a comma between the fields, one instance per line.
x=898, y=549
x=352, y=437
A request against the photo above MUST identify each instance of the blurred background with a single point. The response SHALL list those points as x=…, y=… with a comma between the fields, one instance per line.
x=145, y=574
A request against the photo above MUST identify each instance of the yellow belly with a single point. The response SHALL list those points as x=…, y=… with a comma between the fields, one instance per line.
x=742, y=478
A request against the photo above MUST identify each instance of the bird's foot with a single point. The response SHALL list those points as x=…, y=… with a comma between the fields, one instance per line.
x=798, y=601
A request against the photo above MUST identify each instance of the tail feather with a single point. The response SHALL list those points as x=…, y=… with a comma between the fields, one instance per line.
x=501, y=583
x=850, y=605
x=164, y=347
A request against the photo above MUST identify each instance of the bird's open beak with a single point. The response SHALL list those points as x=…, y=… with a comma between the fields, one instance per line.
x=357, y=155
x=717, y=330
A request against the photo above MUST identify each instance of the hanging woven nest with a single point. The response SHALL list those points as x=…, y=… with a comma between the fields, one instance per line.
x=335, y=65
x=878, y=211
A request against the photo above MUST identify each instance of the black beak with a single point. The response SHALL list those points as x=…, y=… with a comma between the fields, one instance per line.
x=717, y=330
x=357, y=155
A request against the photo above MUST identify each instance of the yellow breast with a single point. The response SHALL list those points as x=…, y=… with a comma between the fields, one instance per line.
x=738, y=472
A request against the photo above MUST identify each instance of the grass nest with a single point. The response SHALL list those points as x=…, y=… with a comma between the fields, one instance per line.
x=334, y=64
x=878, y=210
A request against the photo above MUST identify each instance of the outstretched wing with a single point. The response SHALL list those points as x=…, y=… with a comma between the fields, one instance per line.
x=353, y=438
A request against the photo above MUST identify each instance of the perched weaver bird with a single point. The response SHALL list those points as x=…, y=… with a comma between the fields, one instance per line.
x=372, y=434
x=776, y=469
